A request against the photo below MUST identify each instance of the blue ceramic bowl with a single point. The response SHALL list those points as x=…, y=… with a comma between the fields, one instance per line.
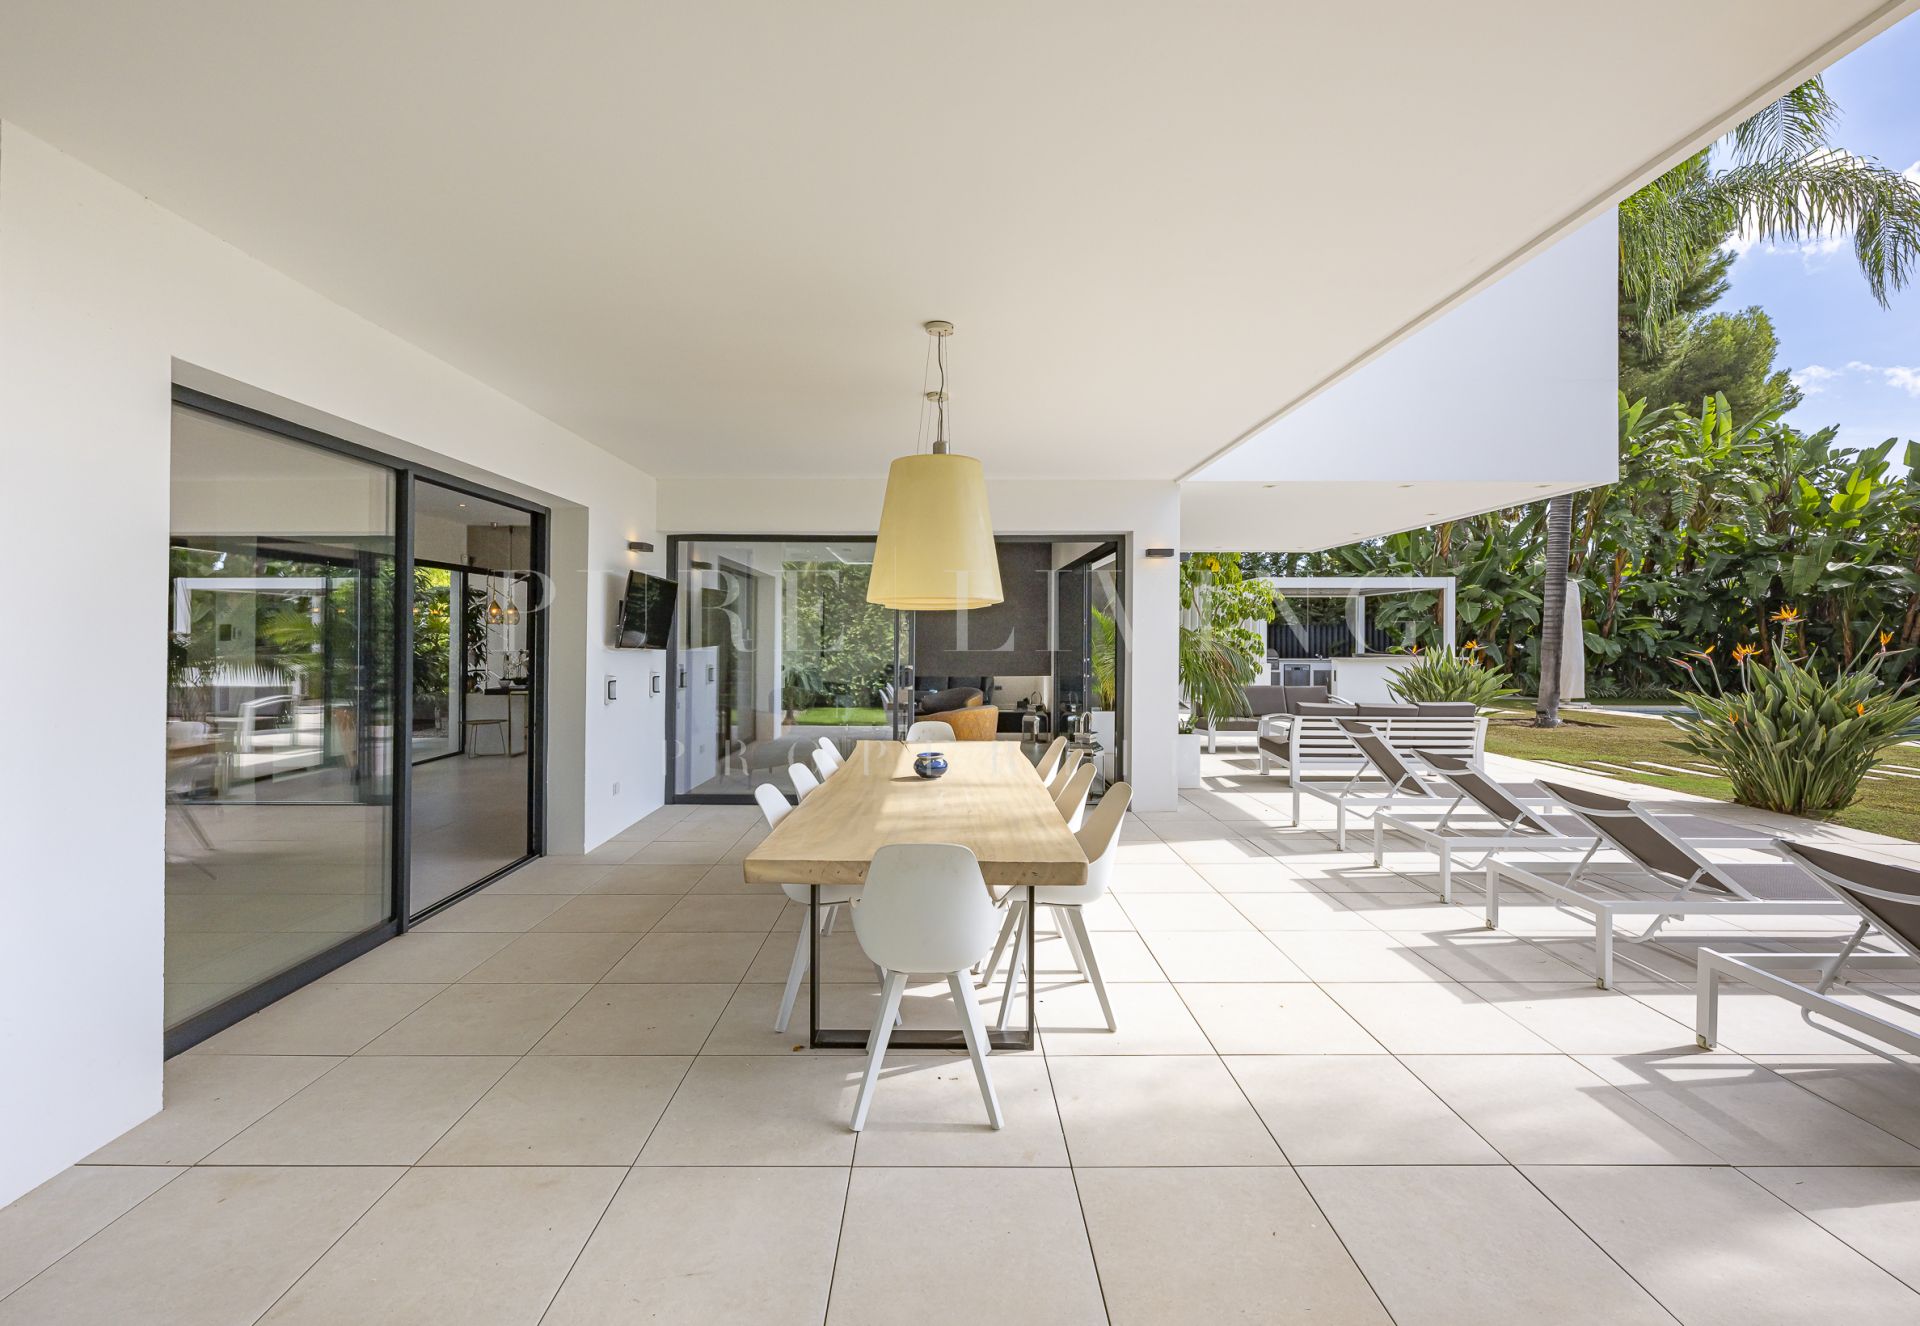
x=929, y=764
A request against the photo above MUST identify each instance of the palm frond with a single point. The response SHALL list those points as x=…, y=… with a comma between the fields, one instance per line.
x=1797, y=123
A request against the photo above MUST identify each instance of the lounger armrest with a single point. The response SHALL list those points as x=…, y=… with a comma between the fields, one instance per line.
x=1273, y=724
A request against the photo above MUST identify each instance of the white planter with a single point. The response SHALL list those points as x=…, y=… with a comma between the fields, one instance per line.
x=1186, y=758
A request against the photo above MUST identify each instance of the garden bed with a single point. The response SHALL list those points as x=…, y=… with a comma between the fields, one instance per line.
x=1620, y=747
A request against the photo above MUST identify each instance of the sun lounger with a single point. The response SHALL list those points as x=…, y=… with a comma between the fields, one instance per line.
x=1667, y=853
x=1886, y=898
x=1482, y=818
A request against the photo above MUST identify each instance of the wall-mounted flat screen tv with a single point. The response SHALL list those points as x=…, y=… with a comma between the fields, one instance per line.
x=646, y=613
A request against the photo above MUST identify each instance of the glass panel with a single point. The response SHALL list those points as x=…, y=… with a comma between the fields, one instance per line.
x=279, y=706
x=474, y=563
x=777, y=646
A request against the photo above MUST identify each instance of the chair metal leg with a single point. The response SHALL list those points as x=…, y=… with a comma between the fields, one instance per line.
x=1091, y=964
x=877, y=1044
x=975, y=1027
x=1446, y=872
x=1008, y=929
x=797, y=970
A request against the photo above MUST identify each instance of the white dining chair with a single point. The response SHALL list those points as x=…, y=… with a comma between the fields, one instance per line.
x=1064, y=774
x=1072, y=801
x=1049, y=762
x=826, y=761
x=833, y=897
x=925, y=911
x=827, y=744
x=928, y=730
x=1099, y=838
x=803, y=781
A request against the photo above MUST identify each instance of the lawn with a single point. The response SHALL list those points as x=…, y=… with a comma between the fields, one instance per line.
x=828, y=716
x=1621, y=747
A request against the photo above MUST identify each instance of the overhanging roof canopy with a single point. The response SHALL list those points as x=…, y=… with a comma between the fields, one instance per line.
x=705, y=236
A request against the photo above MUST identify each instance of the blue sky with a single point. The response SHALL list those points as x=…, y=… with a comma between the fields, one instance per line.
x=1858, y=363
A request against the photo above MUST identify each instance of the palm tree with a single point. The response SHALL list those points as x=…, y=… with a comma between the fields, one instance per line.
x=1553, y=610
x=1784, y=180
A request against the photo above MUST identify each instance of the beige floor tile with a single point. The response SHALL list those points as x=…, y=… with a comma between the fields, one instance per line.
x=1355, y=1109
x=738, y=912
x=1747, y=1114
x=1719, y=1250
x=1875, y=1211
x=214, y=1246
x=1435, y=1019
x=1408, y=1228
x=1223, y=850
x=605, y=913
x=1547, y=1109
x=422, y=956
x=1288, y=1018
x=564, y=1110
x=1218, y=1245
x=927, y=1111
x=710, y=1245
x=1024, y=1233
x=1297, y=911
x=46, y=1224
x=692, y=955
x=1106, y=914
x=751, y=1110
x=1122, y=954
x=673, y=853
x=371, y=1110
x=639, y=1019
x=1197, y=956
x=490, y=911
x=1353, y=955
x=552, y=958
x=324, y=1018
x=455, y=1247
x=1581, y=1019
x=1242, y=877
x=1146, y=852
x=1182, y=911
x=746, y=1024
x=1171, y=876
x=1177, y=1110
x=1886, y=1093
x=1488, y=955
x=841, y=957
x=728, y=878
x=1152, y=1019
x=481, y=1019
x=671, y=881
x=547, y=876
x=210, y=1098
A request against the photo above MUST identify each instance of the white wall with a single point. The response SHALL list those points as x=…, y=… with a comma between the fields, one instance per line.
x=105, y=301
x=1148, y=512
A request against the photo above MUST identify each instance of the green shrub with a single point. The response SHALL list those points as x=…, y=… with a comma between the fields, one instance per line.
x=1450, y=677
x=1793, y=741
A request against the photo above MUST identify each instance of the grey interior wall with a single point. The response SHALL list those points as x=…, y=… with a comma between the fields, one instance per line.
x=1009, y=638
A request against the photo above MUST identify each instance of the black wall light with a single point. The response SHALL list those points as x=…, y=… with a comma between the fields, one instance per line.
x=1159, y=552
x=634, y=545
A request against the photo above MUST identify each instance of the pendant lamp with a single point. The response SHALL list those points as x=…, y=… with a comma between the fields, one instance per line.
x=935, y=550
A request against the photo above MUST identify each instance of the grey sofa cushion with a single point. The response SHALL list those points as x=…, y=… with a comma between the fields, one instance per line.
x=1267, y=700
x=1326, y=709
x=1447, y=708
x=1296, y=696
x=941, y=702
x=1388, y=711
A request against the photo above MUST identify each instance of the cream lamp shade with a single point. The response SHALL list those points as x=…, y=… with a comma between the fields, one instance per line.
x=935, y=550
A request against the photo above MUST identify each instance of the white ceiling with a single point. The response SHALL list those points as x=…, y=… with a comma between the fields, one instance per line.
x=704, y=236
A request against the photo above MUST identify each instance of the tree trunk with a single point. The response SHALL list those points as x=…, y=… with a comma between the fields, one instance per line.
x=1553, y=610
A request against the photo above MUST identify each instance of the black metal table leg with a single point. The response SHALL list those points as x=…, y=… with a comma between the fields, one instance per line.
x=855, y=1038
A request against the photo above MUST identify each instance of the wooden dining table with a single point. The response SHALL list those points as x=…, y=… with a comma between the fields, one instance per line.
x=990, y=801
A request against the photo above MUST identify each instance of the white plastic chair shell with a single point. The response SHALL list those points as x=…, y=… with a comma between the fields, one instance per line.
x=929, y=730
x=803, y=780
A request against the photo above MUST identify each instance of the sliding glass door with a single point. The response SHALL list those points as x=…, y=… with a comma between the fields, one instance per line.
x=280, y=707
x=355, y=704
